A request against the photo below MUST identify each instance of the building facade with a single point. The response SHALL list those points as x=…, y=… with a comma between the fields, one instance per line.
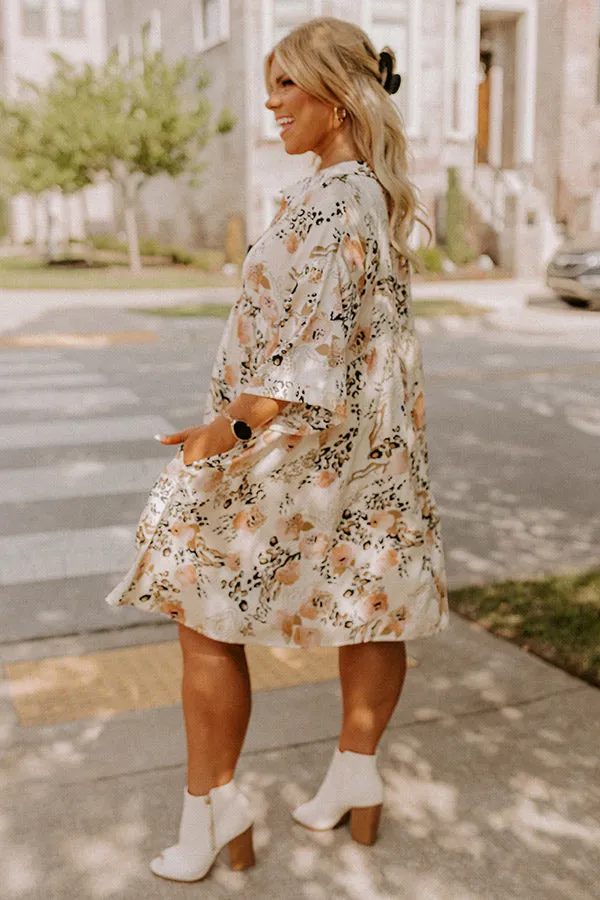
x=30, y=31
x=506, y=91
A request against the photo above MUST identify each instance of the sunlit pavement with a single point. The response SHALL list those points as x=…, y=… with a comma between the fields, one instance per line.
x=491, y=768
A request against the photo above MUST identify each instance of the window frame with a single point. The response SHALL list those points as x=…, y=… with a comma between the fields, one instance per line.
x=63, y=16
x=414, y=62
x=202, y=42
x=464, y=127
x=43, y=14
x=270, y=132
x=598, y=53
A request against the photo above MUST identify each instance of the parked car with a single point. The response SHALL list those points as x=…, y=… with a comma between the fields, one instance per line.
x=574, y=271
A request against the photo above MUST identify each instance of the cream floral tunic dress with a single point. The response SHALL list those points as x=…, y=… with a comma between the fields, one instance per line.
x=321, y=530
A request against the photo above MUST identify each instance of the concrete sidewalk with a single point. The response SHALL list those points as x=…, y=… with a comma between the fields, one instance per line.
x=525, y=305
x=490, y=767
x=19, y=307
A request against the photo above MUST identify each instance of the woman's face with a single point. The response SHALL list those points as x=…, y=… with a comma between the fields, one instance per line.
x=305, y=123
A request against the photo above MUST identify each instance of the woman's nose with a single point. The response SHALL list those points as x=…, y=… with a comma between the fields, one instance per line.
x=271, y=101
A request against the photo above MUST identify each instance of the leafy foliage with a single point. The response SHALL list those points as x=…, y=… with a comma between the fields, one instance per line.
x=124, y=122
x=457, y=247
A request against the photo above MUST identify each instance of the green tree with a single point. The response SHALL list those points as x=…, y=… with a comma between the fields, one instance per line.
x=123, y=122
x=23, y=168
x=38, y=151
x=145, y=118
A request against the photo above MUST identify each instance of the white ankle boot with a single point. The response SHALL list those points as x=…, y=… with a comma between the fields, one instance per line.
x=352, y=785
x=208, y=823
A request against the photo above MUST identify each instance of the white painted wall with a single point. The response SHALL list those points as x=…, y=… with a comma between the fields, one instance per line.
x=29, y=57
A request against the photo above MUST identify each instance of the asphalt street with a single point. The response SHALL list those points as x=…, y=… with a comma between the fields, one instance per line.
x=513, y=425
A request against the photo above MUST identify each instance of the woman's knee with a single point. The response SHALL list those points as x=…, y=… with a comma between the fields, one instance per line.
x=373, y=653
x=193, y=645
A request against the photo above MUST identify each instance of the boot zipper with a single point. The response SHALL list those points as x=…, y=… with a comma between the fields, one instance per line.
x=213, y=840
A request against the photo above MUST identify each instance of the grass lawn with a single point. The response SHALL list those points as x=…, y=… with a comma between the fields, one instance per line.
x=556, y=618
x=423, y=308
x=186, y=311
x=432, y=308
x=29, y=273
x=32, y=274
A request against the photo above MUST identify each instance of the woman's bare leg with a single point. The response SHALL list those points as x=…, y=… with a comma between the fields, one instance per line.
x=371, y=675
x=217, y=702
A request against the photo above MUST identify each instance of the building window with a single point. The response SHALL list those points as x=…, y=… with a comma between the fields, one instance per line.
x=71, y=18
x=389, y=28
x=456, y=119
x=33, y=17
x=152, y=31
x=598, y=52
x=289, y=13
x=461, y=72
x=279, y=18
x=387, y=24
x=398, y=24
x=211, y=23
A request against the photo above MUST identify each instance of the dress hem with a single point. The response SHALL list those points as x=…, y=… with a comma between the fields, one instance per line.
x=438, y=629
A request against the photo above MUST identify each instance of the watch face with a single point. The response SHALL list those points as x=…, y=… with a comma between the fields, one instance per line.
x=242, y=430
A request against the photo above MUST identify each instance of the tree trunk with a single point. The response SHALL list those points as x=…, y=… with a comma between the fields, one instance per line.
x=68, y=223
x=38, y=203
x=133, y=242
x=85, y=219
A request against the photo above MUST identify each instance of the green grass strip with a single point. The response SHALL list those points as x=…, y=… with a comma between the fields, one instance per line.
x=433, y=308
x=188, y=310
x=556, y=618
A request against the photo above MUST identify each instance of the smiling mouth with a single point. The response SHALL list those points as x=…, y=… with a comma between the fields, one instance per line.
x=284, y=125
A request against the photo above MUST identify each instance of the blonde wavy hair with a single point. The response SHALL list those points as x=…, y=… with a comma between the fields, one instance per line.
x=335, y=62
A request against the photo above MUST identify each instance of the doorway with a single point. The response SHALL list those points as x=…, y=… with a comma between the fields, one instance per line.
x=483, y=107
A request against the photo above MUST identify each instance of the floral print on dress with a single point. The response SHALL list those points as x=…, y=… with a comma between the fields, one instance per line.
x=322, y=529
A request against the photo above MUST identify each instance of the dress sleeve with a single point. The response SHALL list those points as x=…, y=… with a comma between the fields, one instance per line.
x=325, y=248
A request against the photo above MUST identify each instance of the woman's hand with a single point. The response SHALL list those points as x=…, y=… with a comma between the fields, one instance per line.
x=202, y=440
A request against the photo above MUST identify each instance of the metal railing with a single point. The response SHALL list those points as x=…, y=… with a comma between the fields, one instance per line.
x=492, y=186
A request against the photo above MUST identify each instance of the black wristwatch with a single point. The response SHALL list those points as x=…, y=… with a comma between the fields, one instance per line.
x=240, y=429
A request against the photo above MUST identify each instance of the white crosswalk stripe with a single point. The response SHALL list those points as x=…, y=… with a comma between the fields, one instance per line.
x=75, y=480
x=30, y=356
x=69, y=405
x=66, y=401
x=65, y=554
x=82, y=431
x=41, y=368
x=77, y=379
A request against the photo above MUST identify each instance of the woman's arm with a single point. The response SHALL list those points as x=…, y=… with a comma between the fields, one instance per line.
x=217, y=437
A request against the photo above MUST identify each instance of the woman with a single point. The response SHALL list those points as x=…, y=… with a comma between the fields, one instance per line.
x=299, y=514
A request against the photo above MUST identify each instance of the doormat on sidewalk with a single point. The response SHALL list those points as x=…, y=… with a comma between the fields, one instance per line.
x=91, y=339
x=71, y=688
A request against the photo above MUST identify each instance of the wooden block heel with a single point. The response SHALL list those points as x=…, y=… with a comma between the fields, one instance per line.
x=241, y=851
x=364, y=823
